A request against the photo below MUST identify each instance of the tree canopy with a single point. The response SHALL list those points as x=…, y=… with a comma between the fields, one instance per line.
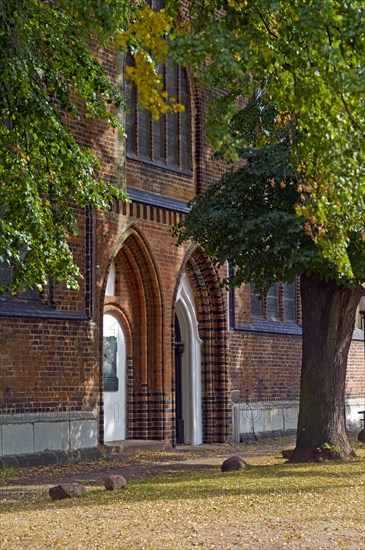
x=309, y=59
x=49, y=76
x=52, y=79
x=250, y=218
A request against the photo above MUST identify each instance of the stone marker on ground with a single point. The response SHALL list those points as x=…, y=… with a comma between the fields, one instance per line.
x=66, y=490
x=234, y=462
x=114, y=482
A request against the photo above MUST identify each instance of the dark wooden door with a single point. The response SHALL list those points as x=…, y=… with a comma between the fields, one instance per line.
x=179, y=350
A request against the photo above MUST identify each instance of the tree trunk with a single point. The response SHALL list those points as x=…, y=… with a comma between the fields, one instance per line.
x=328, y=318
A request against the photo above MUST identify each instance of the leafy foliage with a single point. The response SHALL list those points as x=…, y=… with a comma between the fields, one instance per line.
x=250, y=217
x=50, y=77
x=309, y=58
x=52, y=80
x=146, y=39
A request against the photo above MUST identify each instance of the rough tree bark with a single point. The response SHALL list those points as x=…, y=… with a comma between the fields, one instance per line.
x=328, y=317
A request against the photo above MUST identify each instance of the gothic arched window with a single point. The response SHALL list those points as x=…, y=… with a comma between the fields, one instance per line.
x=167, y=141
x=280, y=303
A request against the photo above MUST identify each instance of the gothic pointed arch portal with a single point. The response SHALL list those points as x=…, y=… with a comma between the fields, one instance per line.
x=188, y=391
x=133, y=295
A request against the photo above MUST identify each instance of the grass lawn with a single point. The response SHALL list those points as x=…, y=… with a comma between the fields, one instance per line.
x=269, y=505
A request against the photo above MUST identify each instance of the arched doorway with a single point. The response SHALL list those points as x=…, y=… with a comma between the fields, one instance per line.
x=201, y=301
x=114, y=379
x=188, y=393
x=133, y=295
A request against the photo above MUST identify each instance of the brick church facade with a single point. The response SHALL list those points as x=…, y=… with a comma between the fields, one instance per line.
x=151, y=347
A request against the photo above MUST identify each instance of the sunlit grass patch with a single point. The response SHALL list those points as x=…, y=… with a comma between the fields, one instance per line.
x=271, y=504
x=264, y=476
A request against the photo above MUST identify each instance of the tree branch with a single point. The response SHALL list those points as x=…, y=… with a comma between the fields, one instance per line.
x=270, y=32
x=353, y=121
x=329, y=35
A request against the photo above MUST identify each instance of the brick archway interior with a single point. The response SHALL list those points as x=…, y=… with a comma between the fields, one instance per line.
x=137, y=293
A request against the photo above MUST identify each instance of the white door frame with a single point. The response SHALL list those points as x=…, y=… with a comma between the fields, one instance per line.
x=191, y=364
x=115, y=402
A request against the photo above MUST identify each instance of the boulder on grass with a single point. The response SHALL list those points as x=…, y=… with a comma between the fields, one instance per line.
x=66, y=490
x=114, y=482
x=233, y=463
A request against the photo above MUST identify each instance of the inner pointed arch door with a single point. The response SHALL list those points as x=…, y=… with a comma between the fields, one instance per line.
x=188, y=360
x=114, y=377
x=179, y=413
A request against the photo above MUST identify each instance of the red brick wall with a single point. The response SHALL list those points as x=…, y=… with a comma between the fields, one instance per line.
x=47, y=365
x=265, y=366
x=355, y=386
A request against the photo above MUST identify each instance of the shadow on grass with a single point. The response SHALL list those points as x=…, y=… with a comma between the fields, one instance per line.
x=255, y=481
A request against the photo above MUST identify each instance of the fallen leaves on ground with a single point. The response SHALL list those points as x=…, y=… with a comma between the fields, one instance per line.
x=270, y=505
